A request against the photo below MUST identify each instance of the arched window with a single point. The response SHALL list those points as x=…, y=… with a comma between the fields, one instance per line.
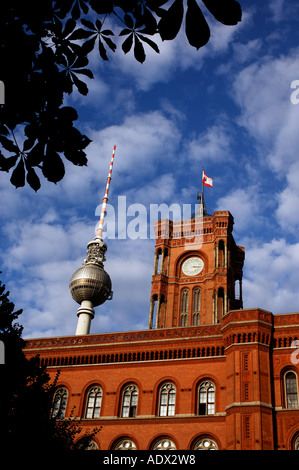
x=59, y=403
x=291, y=390
x=164, y=444
x=184, y=307
x=205, y=443
x=125, y=444
x=167, y=399
x=206, y=398
x=129, y=401
x=296, y=443
x=196, y=306
x=93, y=402
x=87, y=444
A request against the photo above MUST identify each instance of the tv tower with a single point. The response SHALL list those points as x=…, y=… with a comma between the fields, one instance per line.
x=90, y=285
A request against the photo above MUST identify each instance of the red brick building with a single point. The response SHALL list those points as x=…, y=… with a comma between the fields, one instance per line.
x=207, y=374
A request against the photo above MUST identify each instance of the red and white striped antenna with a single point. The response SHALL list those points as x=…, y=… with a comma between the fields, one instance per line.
x=105, y=198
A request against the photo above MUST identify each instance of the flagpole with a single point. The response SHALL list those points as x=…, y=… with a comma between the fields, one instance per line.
x=202, y=184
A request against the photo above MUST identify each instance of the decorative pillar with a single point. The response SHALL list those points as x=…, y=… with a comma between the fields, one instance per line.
x=158, y=312
x=225, y=255
x=152, y=306
x=215, y=306
x=162, y=262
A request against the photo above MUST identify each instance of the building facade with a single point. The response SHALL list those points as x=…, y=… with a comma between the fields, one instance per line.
x=206, y=375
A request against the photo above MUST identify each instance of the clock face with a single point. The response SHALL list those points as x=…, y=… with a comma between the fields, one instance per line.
x=192, y=266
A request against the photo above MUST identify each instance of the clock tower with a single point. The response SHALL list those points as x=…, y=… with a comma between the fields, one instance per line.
x=198, y=268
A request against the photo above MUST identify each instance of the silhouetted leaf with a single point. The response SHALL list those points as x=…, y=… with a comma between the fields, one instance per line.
x=8, y=144
x=197, y=29
x=33, y=179
x=171, y=21
x=28, y=143
x=149, y=42
x=36, y=155
x=88, y=24
x=102, y=50
x=76, y=157
x=82, y=87
x=69, y=27
x=139, y=53
x=7, y=163
x=80, y=34
x=18, y=175
x=86, y=72
x=228, y=12
x=127, y=44
x=88, y=46
x=109, y=43
x=53, y=167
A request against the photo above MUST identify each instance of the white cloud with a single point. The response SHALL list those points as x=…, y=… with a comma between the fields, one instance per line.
x=244, y=204
x=213, y=145
x=272, y=277
x=262, y=90
x=176, y=54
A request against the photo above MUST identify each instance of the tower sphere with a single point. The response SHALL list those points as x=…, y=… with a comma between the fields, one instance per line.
x=90, y=282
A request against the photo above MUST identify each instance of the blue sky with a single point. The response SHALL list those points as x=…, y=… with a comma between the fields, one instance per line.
x=226, y=107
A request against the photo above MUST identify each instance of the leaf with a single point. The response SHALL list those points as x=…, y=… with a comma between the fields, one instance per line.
x=88, y=24
x=139, y=53
x=53, y=167
x=102, y=50
x=28, y=143
x=76, y=10
x=18, y=175
x=98, y=24
x=8, y=144
x=197, y=29
x=82, y=87
x=7, y=163
x=76, y=157
x=127, y=44
x=149, y=42
x=36, y=155
x=33, y=179
x=80, y=34
x=110, y=43
x=88, y=46
x=124, y=32
x=228, y=12
x=68, y=113
x=69, y=27
x=86, y=72
x=129, y=22
x=171, y=21
x=107, y=32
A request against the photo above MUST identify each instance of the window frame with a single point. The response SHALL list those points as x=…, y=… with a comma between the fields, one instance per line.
x=97, y=390
x=60, y=396
x=286, y=393
x=184, y=307
x=133, y=394
x=206, y=404
x=168, y=406
x=196, y=303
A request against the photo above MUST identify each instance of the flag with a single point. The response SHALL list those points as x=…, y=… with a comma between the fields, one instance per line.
x=206, y=180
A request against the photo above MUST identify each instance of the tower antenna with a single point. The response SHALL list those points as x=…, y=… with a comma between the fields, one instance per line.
x=105, y=198
x=91, y=285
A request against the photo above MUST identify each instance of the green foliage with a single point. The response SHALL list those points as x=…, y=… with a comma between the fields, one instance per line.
x=42, y=38
x=26, y=394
